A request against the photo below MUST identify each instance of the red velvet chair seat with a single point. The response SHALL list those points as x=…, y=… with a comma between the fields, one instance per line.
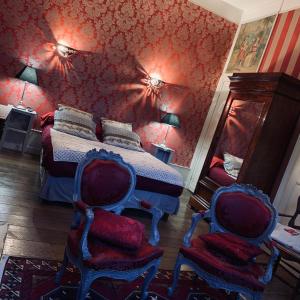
x=216, y=263
x=232, y=246
x=106, y=256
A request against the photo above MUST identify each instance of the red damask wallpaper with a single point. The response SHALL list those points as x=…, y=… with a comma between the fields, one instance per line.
x=120, y=42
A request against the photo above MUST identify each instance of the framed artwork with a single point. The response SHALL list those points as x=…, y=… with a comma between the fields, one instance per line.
x=250, y=45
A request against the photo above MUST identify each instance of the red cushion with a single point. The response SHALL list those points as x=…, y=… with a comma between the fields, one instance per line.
x=117, y=230
x=224, y=267
x=219, y=175
x=99, y=132
x=232, y=246
x=242, y=214
x=216, y=162
x=104, y=182
x=47, y=119
x=105, y=256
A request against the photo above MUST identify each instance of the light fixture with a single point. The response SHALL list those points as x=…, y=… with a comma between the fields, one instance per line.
x=154, y=83
x=171, y=120
x=64, y=51
x=27, y=74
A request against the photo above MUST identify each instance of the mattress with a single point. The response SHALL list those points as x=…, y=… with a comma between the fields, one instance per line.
x=68, y=170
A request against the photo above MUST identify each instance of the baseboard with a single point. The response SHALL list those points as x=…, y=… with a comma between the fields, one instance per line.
x=184, y=171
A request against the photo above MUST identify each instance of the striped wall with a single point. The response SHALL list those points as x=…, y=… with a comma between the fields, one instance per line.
x=283, y=50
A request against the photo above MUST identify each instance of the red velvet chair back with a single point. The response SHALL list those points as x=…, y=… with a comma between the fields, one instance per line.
x=104, y=183
x=244, y=211
x=103, y=179
x=242, y=214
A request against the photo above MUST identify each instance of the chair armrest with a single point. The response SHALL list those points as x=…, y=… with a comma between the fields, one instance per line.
x=156, y=216
x=196, y=218
x=89, y=217
x=79, y=210
x=273, y=259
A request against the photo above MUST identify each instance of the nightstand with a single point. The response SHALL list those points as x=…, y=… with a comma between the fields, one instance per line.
x=163, y=153
x=17, y=128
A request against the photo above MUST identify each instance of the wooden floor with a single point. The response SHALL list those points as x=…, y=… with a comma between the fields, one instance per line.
x=30, y=227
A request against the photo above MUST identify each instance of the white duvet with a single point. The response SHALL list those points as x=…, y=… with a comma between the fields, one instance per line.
x=71, y=148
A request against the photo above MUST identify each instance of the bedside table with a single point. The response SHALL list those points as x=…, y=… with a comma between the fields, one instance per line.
x=163, y=153
x=16, y=130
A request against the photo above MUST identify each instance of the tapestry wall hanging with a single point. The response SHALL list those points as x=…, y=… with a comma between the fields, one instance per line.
x=250, y=45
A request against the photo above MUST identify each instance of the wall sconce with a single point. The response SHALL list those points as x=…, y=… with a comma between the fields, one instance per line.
x=154, y=84
x=65, y=51
x=27, y=74
x=171, y=120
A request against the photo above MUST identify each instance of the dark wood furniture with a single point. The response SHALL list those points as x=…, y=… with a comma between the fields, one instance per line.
x=273, y=101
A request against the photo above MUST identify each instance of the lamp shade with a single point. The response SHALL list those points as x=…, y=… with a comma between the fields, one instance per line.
x=171, y=119
x=28, y=74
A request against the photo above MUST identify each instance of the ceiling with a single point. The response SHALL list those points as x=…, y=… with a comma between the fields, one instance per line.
x=245, y=5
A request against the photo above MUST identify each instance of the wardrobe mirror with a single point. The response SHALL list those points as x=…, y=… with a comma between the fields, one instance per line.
x=235, y=140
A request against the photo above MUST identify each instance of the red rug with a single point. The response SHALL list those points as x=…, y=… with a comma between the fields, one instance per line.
x=26, y=278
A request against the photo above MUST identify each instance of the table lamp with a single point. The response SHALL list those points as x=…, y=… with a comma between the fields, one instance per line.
x=171, y=120
x=27, y=74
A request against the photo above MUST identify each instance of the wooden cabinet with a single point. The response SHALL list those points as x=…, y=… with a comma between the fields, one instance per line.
x=259, y=124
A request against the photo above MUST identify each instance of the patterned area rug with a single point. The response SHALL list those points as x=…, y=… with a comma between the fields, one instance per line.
x=26, y=278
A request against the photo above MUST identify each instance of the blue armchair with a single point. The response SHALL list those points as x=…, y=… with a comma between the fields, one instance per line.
x=101, y=243
x=241, y=220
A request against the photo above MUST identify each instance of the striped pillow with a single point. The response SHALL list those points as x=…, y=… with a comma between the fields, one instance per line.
x=75, y=122
x=121, y=137
x=75, y=110
x=127, y=126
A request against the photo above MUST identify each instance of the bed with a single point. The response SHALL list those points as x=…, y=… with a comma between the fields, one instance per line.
x=157, y=183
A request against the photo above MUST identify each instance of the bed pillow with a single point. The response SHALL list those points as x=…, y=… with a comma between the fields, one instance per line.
x=75, y=110
x=121, y=137
x=127, y=126
x=232, y=165
x=75, y=122
x=232, y=246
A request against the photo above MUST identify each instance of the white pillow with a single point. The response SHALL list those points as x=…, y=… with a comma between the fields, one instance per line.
x=121, y=137
x=75, y=122
x=126, y=126
x=71, y=109
x=232, y=165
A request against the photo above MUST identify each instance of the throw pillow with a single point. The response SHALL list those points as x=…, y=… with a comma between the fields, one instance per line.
x=232, y=246
x=127, y=126
x=47, y=119
x=75, y=122
x=121, y=137
x=232, y=165
x=75, y=110
x=117, y=230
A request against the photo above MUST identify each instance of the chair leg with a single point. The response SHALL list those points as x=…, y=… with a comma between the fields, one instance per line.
x=85, y=283
x=295, y=291
x=60, y=273
x=175, y=275
x=151, y=273
x=257, y=296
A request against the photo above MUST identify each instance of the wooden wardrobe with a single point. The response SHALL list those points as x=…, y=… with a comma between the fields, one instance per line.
x=260, y=124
